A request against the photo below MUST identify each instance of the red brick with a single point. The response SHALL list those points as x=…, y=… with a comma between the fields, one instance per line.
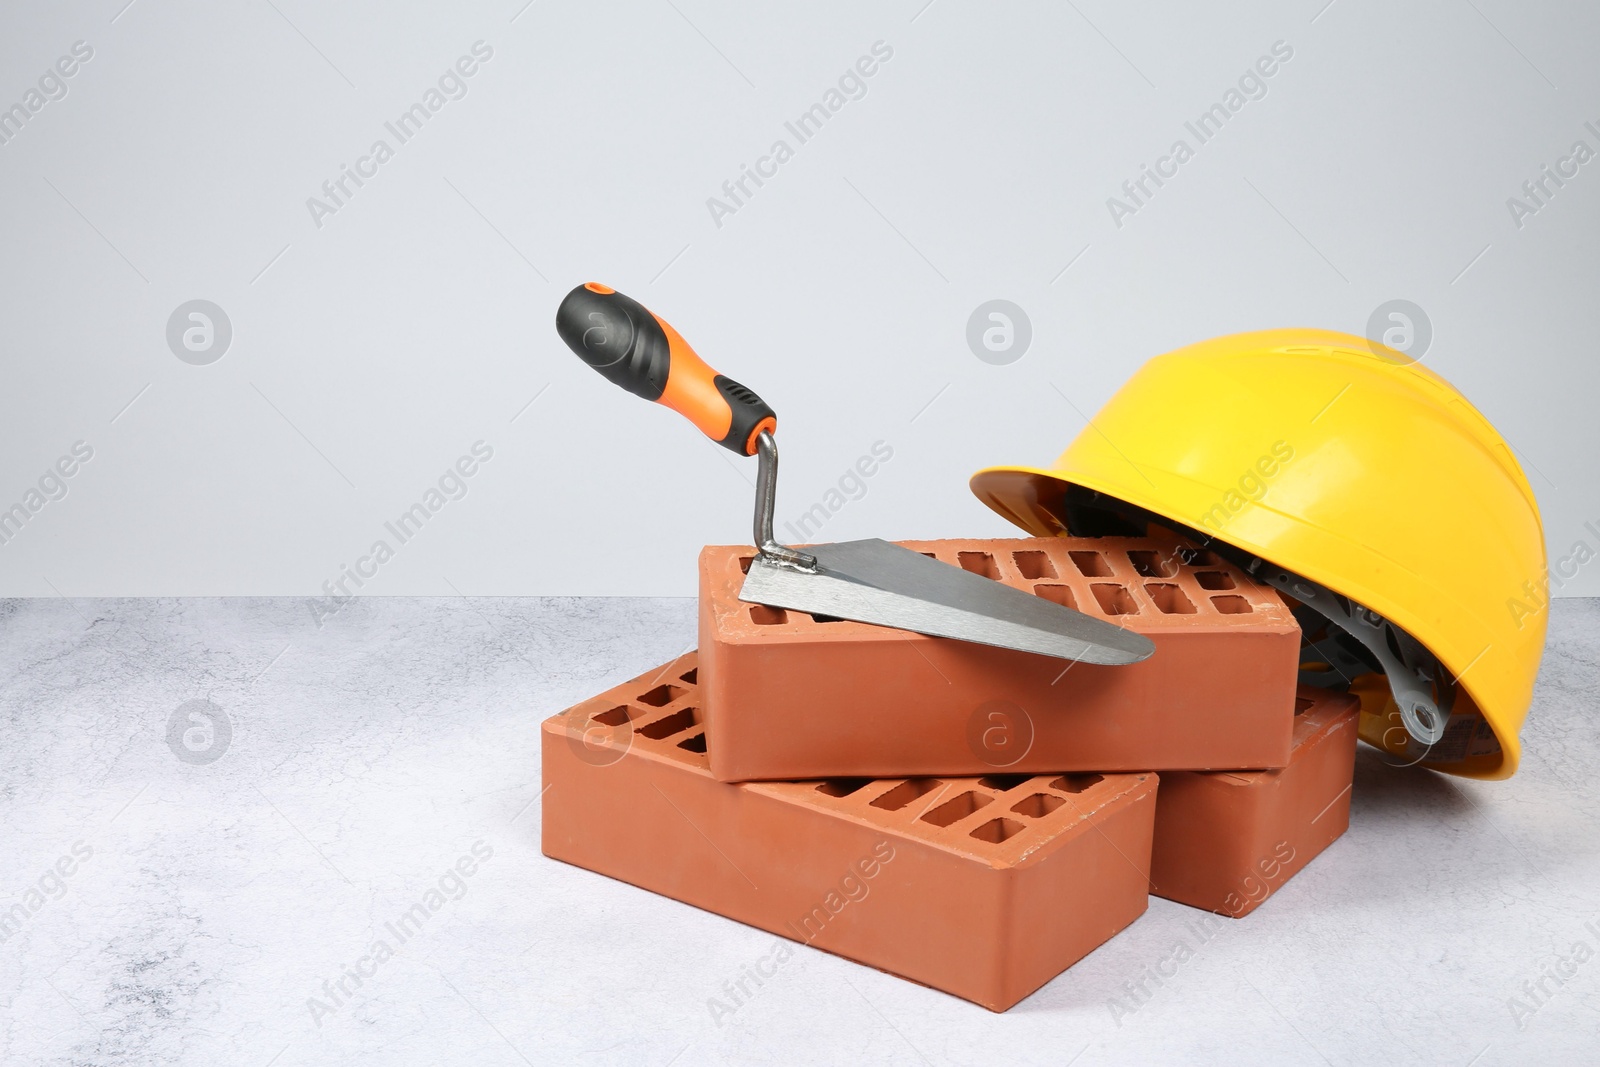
x=985, y=888
x=786, y=696
x=1227, y=841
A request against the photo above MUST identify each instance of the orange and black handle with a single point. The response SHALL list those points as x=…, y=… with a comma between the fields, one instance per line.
x=633, y=348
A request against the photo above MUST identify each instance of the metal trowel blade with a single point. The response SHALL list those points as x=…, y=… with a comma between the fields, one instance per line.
x=876, y=582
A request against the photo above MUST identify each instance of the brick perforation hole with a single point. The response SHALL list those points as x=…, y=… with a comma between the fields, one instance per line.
x=1149, y=563
x=1169, y=598
x=668, y=725
x=1076, y=783
x=1114, y=599
x=616, y=716
x=998, y=831
x=904, y=793
x=1034, y=564
x=842, y=787
x=958, y=808
x=1038, y=805
x=661, y=695
x=1090, y=564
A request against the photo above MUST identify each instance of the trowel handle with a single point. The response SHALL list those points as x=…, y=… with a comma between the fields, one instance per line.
x=622, y=340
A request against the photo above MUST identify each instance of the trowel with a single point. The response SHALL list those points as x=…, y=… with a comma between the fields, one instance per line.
x=869, y=581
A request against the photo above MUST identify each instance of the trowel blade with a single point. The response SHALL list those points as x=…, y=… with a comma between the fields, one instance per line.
x=877, y=582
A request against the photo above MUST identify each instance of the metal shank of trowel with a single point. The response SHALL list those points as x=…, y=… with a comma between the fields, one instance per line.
x=766, y=502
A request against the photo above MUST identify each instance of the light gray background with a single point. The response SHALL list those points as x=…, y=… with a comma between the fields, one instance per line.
x=370, y=353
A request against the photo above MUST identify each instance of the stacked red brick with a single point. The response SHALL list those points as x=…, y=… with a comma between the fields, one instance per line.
x=787, y=696
x=941, y=763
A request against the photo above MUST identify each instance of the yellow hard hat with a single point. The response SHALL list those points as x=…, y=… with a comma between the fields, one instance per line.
x=1356, y=481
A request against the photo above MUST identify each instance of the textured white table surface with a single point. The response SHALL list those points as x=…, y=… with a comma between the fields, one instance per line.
x=208, y=903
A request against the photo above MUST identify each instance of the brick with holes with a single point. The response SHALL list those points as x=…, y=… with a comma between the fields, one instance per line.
x=985, y=887
x=788, y=696
x=1226, y=841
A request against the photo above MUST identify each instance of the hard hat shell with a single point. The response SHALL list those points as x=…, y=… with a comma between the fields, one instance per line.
x=1350, y=465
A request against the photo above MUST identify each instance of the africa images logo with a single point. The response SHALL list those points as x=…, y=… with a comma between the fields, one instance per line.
x=199, y=732
x=199, y=332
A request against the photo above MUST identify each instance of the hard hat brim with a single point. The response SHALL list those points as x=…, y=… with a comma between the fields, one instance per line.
x=1035, y=499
